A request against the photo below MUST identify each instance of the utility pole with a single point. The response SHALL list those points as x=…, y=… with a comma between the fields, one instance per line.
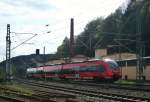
x=44, y=63
x=139, y=44
x=8, y=69
x=8, y=72
x=71, y=38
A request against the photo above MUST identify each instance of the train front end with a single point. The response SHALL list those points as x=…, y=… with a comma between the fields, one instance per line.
x=113, y=70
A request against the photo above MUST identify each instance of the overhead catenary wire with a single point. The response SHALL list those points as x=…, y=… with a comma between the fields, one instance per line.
x=62, y=27
x=23, y=42
x=58, y=36
x=78, y=15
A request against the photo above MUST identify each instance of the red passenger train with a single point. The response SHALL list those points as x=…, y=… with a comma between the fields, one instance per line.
x=95, y=69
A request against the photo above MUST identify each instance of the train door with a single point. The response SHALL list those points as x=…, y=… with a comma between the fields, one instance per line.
x=77, y=74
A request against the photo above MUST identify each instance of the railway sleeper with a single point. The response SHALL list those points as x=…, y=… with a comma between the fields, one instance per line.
x=7, y=98
x=115, y=98
x=71, y=100
x=107, y=96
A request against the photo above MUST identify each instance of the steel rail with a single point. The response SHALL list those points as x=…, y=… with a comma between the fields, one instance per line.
x=99, y=94
x=11, y=99
x=135, y=87
x=21, y=97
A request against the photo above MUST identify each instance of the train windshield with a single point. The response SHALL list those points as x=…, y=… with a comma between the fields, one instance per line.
x=113, y=64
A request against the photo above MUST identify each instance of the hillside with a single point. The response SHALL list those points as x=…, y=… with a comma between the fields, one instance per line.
x=118, y=29
x=20, y=63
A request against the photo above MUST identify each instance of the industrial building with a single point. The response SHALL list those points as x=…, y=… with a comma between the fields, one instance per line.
x=128, y=63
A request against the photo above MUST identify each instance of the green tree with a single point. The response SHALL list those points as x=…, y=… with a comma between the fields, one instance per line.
x=2, y=74
x=85, y=42
x=131, y=19
x=63, y=50
x=122, y=24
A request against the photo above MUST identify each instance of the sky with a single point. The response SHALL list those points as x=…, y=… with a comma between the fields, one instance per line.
x=29, y=17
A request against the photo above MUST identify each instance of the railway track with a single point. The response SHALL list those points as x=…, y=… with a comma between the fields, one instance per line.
x=135, y=87
x=9, y=99
x=13, y=95
x=90, y=93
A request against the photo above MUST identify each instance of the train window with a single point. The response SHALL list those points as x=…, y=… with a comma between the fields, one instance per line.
x=53, y=71
x=76, y=69
x=71, y=71
x=113, y=65
x=83, y=69
x=40, y=72
x=101, y=68
x=92, y=68
x=96, y=68
x=67, y=71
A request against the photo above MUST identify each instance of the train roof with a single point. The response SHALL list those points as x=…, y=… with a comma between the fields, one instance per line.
x=91, y=60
